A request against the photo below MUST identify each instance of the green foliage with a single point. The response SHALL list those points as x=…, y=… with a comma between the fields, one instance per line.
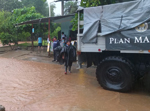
x=70, y=7
x=90, y=3
x=55, y=33
x=7, y=29
x=84, y=3
x=24, y=14
x=24, y=35
x=93, y=3
x=23, y=10
x=4, y=16
x=53, y=6
x=9, y=5
x=8, y=32
x=44, y=43
x=74, y=21
x=7, y=38
x=24, y=45
x=54, y=29
x=41, y=6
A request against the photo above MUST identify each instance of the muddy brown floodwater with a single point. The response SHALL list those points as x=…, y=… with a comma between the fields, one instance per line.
x=33, y=86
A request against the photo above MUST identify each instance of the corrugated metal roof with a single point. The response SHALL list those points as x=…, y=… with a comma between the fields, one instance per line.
x=44, y=20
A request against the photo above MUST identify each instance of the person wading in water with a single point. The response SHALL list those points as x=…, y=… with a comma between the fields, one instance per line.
x=68, y=54
x=55, y=44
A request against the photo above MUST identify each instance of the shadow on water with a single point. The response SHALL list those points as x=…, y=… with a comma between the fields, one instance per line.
x=140, y=88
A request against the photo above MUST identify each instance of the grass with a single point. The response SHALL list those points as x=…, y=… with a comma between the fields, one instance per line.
x=44, y=43
x=35, y=44
x=24, y=44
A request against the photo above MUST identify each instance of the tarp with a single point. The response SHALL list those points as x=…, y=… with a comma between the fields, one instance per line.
x=113, y=18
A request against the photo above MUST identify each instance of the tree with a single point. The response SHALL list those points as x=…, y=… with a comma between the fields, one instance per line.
x=93, y=3
x=25, y=14
x=70, y=7
x=53, y=6
x=7, y=29
x=9, y=5
x=8, y=32
x=55, y=32
x=41, y=6
x=54, y=29
x=8, y=19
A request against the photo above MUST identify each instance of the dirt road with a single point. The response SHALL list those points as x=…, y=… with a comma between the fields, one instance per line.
x=35, y=86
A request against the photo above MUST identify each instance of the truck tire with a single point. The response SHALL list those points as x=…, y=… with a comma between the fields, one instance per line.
x=115, y=73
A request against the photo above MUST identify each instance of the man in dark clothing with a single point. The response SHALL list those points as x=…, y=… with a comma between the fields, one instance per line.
x=55, y=44
x=68, y=55
x=57, y=53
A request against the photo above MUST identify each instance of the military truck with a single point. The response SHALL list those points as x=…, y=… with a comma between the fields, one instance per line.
x=116, y=38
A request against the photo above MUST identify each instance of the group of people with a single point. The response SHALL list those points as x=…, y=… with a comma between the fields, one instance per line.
x=64, y=52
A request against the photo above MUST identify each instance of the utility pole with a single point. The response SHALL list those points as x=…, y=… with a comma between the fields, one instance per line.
x=32, y=39
x=50, y=9
x=62, y=7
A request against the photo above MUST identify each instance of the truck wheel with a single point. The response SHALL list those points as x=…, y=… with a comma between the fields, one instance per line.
x=115, y=73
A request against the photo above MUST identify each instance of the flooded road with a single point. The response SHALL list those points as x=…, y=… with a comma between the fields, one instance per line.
x=33, y=86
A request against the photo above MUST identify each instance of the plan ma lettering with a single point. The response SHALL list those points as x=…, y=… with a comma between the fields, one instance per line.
x=135, y=40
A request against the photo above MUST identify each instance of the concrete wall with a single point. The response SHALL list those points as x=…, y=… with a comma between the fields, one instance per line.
x=65, y=27
x=65, y=24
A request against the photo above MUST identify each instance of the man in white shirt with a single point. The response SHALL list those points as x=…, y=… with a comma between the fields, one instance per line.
x=63, y=35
